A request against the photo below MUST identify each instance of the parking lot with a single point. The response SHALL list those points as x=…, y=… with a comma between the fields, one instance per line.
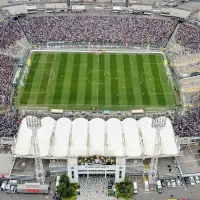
x=180, y=191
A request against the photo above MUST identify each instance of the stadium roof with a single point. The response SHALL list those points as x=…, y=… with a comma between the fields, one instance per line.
x=148, y=135
x=44, y=135
x=61, y=138
x=23, y=143
x=176, y=12
x=80, y=137
x=16, y=10
x=168, y=140
x=55, y=5
x=132, y=138
x=114, y=137
x=141, y=7
x=97, y=136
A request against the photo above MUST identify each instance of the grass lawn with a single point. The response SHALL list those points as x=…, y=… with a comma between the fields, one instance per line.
x=84, y=80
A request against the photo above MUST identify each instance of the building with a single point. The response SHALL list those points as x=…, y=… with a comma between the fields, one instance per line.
x=96, y=146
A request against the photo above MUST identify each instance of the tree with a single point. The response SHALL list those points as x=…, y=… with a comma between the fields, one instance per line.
x=64, y=179
x=64, y=188
x=125, y=188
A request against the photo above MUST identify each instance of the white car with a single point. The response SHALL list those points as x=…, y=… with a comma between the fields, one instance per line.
x=197, y=179
x=7, y=187
x=191, y=179
x=173, y=183
x=178, y=182
x=3, y=185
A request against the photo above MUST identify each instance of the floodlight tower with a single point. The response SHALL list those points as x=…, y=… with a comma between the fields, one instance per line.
x=157, y=124
x=34, y=123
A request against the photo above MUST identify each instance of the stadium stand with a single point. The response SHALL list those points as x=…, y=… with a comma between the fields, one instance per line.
x=99, y=29
x=16, y=34
x=6, y=66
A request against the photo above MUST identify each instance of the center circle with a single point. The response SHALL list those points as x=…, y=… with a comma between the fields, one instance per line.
x=98, y=77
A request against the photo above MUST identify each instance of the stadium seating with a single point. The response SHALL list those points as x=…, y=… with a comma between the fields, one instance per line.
x=16, y=34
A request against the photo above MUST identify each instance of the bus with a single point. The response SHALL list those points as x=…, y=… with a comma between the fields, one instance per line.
x=31, y=9
x=135, y=191
x=146, y=184
x=172, y=199
x=166, y=14
x=57, y=181
x=159, y=186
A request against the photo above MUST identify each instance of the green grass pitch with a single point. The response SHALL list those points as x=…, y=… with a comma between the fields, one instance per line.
x=84, y=80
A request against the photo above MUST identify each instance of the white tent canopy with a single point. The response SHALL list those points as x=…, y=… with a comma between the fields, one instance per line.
x=148, y=135
x=79, y=137
x=61, y=139
x=97, y=136
x=44, y=135
x=23, y=143
x=132, y=138
x=168, y=143
x=114, y=137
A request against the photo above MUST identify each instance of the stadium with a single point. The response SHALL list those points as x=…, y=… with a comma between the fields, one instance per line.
x=99, y=93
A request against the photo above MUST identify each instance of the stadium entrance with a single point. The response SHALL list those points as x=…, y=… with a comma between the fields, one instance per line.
x=96, y=172
x=95, y=186
x=96, y=166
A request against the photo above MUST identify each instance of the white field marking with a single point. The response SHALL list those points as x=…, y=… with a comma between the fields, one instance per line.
x=83, y=50
x=98, y=85
x=52, y=72
x=98, y=82
x=152, y=105
x=40, y=62
x=34, y=92
x=33, y=83
x=150, y=90
x=158, y=72
x=52, y=63
x=146, y=63
x=27, y=83
x=153, y=78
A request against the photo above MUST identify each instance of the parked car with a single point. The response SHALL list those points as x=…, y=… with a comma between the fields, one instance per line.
x=163, y=183
x=178, y=181
x=173, y=183
x=7, y=187
x=3, y=185
x=13, y=189
x=191, y=179
x=187, y=182
x=168, y=183
x=110, y=185
x=197, y=179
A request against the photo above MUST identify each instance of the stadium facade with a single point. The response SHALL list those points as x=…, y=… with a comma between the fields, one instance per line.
x=96, y=146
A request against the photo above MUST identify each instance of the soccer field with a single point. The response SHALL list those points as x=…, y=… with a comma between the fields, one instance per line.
x=82, y=81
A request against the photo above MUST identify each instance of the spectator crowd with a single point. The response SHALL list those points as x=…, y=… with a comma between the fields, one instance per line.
x=95, y=29
x=189, y=37
x=6, y=69
x=9, y=124
x=99, y=29
x=187, y=124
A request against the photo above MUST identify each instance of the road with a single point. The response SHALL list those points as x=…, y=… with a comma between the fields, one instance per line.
x=4, y=196
x=181, y=192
